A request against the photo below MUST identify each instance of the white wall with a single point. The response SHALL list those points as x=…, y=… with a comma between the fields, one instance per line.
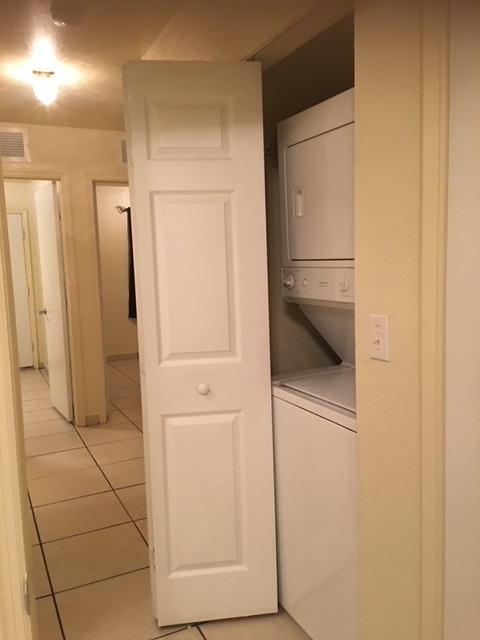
x=462, y=594
x=401, y=49
x=120, y=331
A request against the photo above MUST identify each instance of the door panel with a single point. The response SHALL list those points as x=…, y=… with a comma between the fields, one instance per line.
x=199, y=497
x=180, y=224
x=54, y=298
x=196, y=162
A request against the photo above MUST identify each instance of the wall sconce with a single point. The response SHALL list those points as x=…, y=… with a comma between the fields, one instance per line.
x=45, y=85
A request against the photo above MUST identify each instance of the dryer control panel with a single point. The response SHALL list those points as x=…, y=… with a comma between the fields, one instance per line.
x=319, y=284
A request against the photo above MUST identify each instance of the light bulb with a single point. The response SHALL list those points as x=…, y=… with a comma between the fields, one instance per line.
x=45, y=85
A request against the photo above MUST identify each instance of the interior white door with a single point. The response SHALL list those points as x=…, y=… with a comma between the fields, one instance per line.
x=20, y=289
x=196, y=162
x=54, y=298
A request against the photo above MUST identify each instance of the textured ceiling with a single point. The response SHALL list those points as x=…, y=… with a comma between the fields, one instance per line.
x=110, y=32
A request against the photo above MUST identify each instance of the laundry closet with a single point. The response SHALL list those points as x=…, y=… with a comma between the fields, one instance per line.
x=205, y=324
x=314, y=414
x=314, y=411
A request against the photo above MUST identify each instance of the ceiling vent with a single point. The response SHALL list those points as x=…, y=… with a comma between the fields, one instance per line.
x=123, y=151
x=14, y=145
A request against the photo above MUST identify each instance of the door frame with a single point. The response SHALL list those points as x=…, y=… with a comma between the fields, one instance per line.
x=95, y=183
x=116, y=174
x=69, y=266
x=14, y=544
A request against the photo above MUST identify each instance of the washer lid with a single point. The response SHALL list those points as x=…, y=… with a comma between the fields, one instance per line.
x=336, y=387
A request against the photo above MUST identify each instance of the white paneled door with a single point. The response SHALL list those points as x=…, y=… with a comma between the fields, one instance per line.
x=21, y=292
x=196, y=163
x=54, y=298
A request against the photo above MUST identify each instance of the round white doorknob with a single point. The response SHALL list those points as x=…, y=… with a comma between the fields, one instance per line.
x=203, y=389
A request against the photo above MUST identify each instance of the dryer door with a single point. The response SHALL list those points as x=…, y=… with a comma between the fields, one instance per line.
x=319, y=193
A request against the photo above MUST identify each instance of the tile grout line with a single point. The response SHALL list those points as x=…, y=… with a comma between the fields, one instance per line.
x=88, y=584
x=131, y=520
x=200, y=631
x=47, y=571
x=82, y=533
x=108, y=481
x=88, y=495
x=112, y=488
x=98, y=466
x=172, y=633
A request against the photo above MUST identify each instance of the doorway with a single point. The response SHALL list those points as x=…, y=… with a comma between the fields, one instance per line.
x=119, y=324
x=40, y=296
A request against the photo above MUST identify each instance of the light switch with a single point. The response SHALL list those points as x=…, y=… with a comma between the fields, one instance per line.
x=378, y=337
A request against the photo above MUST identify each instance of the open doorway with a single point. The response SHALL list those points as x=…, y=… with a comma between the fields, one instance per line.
x=119, y=320
x=40, y=298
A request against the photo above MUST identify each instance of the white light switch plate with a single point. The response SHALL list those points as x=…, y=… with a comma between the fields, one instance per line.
x=379, y=348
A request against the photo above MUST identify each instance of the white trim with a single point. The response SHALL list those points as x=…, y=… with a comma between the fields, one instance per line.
x=462, y=465
x=314, y=22
x=15, y=624
x=122, y=356
x=432, y=306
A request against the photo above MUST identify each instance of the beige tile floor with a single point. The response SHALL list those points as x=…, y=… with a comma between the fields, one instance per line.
x=87, y=496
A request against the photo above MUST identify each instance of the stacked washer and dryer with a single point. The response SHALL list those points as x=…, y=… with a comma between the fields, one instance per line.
x=314, y=410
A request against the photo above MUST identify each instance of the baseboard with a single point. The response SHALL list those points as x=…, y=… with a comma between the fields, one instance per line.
x=92, y=419
x=44, y=370
x=122, y=356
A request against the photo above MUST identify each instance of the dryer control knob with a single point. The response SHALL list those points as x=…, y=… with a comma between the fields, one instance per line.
x=344, y=285
x=289, y=281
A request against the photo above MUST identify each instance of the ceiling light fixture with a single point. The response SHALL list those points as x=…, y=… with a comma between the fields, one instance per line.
x=45, y=85
x=44, y=79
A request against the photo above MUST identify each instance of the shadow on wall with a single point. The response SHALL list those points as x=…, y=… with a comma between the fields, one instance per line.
x=322, y=68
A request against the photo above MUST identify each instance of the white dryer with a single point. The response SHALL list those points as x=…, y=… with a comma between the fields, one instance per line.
x=314, y=412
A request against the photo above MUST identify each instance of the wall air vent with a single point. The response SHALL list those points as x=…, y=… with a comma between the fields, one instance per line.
x=123, y=151
x=14, y=145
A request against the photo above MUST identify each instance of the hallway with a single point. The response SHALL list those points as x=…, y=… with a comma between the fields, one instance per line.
x=87, y=494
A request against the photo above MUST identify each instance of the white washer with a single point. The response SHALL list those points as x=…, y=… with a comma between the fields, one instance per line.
x=315, y=468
